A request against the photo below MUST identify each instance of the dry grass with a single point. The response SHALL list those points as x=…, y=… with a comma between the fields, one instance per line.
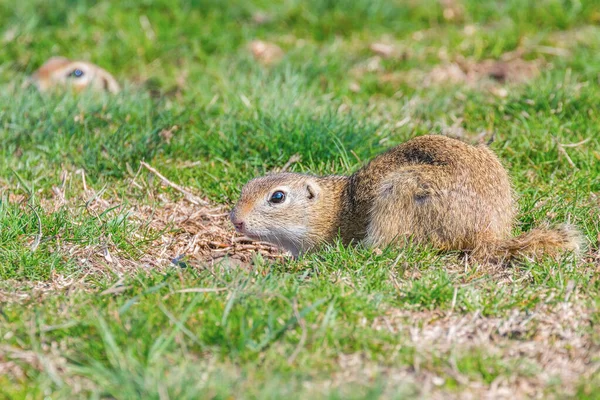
x=511, y=70
x=557, y=341
x=542, y=347
x=198, y=233
x=186, y=234
x=494, y=75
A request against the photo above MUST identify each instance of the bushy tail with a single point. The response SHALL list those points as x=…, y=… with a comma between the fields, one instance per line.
x=542, y=241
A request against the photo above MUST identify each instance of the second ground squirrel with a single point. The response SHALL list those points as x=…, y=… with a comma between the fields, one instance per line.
x=431, y=189
x=60, y=72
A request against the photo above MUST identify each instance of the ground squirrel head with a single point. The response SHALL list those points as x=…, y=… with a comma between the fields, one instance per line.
x=278, y=209
x=62, y=72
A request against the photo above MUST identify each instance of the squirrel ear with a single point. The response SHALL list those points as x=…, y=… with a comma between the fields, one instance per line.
x=109, y=84
x=312, y=190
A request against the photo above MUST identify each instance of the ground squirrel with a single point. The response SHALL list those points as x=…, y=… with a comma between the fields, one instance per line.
x=62, y=72
x=431, y=189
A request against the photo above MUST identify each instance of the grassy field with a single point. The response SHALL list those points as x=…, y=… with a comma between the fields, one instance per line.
x=114, y=285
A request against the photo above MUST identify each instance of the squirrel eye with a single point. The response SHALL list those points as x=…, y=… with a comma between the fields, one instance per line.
x=77, y=73
x=277, y=197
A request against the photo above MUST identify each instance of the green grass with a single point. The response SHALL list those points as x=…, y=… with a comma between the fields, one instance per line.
x=344, y=323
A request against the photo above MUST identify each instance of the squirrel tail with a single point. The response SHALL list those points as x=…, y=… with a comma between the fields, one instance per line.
x=538, y=242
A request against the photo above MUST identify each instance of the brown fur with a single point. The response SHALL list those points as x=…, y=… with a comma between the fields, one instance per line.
x=431, y=189
x=55, y=73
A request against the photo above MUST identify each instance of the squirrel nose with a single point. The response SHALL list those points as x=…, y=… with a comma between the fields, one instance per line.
x=237, y=223
x=239, y=226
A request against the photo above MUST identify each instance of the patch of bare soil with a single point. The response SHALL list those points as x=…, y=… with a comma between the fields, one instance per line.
x=549, y=347
x=462, y=71
x=17, y=291
x=492, y=75
x=563, y=41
